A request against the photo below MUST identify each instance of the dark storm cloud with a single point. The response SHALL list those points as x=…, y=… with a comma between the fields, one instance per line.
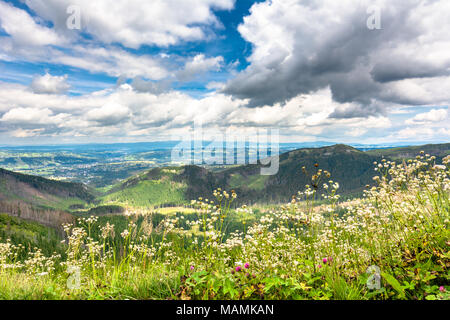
x=358, y=111
x=355, y=62
x=401, y=68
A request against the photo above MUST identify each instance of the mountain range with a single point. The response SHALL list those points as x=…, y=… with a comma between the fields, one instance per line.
x=52, y=202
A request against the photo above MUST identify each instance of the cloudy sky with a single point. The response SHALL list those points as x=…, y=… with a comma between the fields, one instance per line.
x=351, y=71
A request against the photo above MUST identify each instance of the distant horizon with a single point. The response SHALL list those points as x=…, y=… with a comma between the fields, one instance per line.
x=319, y=142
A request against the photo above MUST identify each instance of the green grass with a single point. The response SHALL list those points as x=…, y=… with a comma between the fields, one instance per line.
x=154, y=284
x=58, y=203
x=256, y=182
x=148, y=193
x=175, y=210
x=396, y=237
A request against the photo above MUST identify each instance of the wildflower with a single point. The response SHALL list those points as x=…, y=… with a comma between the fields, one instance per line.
x=192, y=268
x=446, y=160
x=107, y=230
x=238, y=268
x=319, y=266
x=441, y=289
x=325, y=260
x=125, y=233
x=247, y=265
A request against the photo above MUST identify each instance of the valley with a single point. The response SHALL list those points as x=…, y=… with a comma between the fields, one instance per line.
x=178, y=217
x=103, y=165
x=168, y=186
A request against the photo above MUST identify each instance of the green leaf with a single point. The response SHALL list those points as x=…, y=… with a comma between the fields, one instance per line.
x=394, y=283
x=228, y=288
x=408, y=286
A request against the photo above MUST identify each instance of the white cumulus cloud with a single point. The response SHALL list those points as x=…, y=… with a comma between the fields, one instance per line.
x=199, y=65
x=49, y=84
x=24, y=29
x=109, y=114
x=434, y=115
x=138, y=22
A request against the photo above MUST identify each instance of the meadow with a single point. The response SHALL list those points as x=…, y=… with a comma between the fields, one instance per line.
x=391, y=244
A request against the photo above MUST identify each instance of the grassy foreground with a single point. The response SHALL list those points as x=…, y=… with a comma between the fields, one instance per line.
x=392, y=244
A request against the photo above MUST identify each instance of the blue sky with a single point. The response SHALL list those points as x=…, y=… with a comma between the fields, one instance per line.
x=225, y=42
x=149, y=70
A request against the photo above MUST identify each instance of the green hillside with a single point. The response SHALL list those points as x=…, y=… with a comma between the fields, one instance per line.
x=438, y=150
x=39, y=199
x=154, y=188
x=36, y=197
x=351, y=168
x=40, y=191
x=29, y=234
x=391, y=245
